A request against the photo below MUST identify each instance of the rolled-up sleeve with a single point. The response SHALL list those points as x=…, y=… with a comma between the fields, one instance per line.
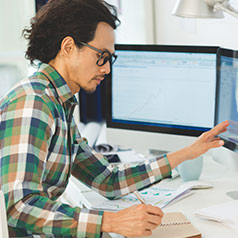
x=113, y=182
x=90, y=223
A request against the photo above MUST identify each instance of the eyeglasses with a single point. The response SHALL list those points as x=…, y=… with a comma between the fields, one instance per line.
x=104, y=57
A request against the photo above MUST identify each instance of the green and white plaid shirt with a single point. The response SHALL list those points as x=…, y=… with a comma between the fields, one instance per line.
x=35, y=161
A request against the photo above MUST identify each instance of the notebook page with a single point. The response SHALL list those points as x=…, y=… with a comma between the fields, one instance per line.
x=175, y=225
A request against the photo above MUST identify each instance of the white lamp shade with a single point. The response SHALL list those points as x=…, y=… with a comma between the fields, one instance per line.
x=195, y=9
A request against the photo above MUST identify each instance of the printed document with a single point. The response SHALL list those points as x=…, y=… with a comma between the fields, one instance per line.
x=225, y=213
x=155, y=196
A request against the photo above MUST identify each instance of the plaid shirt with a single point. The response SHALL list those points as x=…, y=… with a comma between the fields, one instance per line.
x=35, y=159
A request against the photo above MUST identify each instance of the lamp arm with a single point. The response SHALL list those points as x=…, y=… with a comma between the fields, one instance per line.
x=226, y=7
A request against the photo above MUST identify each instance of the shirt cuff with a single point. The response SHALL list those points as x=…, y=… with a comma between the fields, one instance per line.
x=167, y=163
x=164, y=166
x=90, y=222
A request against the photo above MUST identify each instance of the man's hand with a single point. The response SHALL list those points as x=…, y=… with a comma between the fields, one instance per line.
x=204, y=142
x=138, y=220
x=208, y=140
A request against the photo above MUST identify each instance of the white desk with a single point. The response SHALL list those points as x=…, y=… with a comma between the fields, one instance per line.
x=223, y=180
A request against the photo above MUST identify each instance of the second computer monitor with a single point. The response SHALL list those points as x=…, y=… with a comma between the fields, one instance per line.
x=227, y=96
x=166, y=89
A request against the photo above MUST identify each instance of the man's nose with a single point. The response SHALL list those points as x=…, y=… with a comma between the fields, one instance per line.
x=106, y=68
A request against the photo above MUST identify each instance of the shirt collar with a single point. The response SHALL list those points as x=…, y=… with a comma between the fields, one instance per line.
x=61, y=87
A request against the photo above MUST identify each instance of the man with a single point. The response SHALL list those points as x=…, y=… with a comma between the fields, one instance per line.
x=41, y=146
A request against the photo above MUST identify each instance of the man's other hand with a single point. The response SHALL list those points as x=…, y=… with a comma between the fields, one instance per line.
x=138, y=220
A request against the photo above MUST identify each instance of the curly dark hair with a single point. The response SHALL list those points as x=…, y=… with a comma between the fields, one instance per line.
x=60, y=18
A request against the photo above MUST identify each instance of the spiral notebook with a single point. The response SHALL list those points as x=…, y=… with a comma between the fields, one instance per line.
x=175, y=225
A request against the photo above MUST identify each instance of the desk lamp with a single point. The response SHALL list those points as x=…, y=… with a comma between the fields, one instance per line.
x=203, y=8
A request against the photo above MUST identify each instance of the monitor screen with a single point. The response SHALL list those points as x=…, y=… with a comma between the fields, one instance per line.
x=166, y=89
x=227, y=96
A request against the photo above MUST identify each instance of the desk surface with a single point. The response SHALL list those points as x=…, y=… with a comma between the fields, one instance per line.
x=223, y=181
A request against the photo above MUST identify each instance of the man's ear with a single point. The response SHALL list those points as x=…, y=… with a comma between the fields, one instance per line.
x=67, y=45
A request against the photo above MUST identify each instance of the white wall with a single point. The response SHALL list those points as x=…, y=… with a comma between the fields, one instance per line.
x=137, y=21
x=138, y=27
x=14, y=16
x=175, y=30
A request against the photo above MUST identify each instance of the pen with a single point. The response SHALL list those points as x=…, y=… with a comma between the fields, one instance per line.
x=140, y=198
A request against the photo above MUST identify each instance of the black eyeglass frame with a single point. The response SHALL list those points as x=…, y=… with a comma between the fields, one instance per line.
x=112, y=57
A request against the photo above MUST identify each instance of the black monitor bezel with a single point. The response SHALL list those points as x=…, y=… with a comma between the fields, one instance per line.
x=233, y=54
x=158, y=129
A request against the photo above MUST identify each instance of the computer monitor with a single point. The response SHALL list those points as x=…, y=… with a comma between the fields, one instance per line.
x=227, y=109
x=227, y=96
x=161, y=97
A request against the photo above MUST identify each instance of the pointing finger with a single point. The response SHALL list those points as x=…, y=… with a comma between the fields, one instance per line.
x=219, y=128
